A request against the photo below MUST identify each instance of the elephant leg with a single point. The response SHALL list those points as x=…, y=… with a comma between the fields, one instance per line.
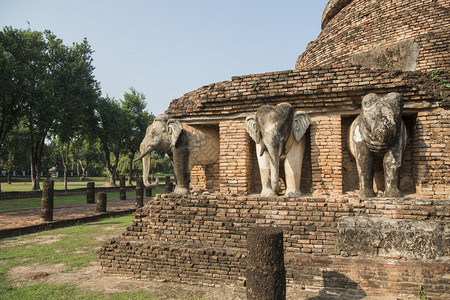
x=391, y=166
x=180, y=162
x=392, y=161
x=364, y=165
x=293, y=168
x=264, y=170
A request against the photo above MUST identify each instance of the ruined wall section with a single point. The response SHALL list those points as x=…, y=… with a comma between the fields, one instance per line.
x=202, y=239
x=375, y=29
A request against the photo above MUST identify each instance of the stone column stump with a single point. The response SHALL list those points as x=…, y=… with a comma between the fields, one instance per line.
x=101, y=202
x=168, y=188
x=266, y=275
x=139, y=192
x=123, y=190
x=148, y=191
x=90, y=193
x=47, y=201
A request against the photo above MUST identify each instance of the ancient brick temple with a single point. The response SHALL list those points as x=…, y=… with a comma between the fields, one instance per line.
x=331, y=235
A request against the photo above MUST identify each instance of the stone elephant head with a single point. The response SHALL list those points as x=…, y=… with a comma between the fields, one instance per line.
x=379, y=131
x=278, y=132
x=187, y=146
x=163, y=133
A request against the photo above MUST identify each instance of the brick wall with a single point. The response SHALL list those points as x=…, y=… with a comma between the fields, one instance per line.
x=180, y=237
x=362, y=26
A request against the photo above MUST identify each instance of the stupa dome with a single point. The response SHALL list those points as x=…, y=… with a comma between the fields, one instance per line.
x=403, y=35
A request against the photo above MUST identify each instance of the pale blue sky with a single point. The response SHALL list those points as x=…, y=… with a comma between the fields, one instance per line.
x=167, y=48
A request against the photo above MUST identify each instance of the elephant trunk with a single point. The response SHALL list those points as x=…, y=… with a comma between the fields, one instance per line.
x=274, y=160
x=146, y=160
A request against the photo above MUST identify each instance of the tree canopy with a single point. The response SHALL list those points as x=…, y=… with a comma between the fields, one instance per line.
x=48, y=93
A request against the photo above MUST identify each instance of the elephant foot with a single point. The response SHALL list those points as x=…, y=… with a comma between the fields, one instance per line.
x=292, y=194
x=367, y=194
x=181, y=191
x=392, y=193
x=267, y=192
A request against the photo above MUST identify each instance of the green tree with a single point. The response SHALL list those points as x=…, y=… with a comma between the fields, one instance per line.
x=13, y=154
x=13, y=82
x=52, y=84
x=138, y=119
x=112, y=131
x=77, y=91
x=85, y=152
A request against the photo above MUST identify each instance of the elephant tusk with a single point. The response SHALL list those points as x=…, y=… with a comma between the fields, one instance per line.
x=263, y=149
x=143, y=154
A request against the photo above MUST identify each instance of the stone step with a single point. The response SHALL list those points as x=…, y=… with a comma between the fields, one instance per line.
x=173, y=261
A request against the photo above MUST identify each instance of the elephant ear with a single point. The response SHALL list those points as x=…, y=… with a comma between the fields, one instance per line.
x=253, y=128
x=174, y=129
x=300, y=124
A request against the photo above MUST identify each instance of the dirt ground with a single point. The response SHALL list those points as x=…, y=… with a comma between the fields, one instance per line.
x=92, y=278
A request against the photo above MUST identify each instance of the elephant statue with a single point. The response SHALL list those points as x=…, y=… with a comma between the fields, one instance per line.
x=378, y=131
x=186, y=145
x=278, y=132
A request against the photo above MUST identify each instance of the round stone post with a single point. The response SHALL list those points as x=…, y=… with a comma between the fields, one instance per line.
x=101, y=202
x=266, y=275
x=123, y=190
x=47, y=201
x=168, y=186
x=90, y=193
x=148, y=191
x=139, y=192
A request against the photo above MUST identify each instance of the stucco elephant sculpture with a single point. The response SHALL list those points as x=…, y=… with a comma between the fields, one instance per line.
x=379, y=131
x=279, y=132
x=187, y=146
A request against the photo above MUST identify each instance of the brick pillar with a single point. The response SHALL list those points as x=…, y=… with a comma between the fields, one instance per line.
x=431, y=154
x=235, y=158
x=198, y=178
x=326, y=155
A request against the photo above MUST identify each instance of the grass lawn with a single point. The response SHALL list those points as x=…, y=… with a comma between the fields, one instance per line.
x=27, y=203
x=72, y=249
x=24, y=184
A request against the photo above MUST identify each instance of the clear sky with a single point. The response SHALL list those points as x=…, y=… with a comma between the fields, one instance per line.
x=166, y=48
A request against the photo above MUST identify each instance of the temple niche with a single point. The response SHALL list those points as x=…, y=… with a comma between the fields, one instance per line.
x=382, y=242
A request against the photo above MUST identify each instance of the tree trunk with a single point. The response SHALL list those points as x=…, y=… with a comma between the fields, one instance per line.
x=130, y=172
x=8, y=176
x=36, y=155
x=83, y=171
x=65, y=178
x=65, y=162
